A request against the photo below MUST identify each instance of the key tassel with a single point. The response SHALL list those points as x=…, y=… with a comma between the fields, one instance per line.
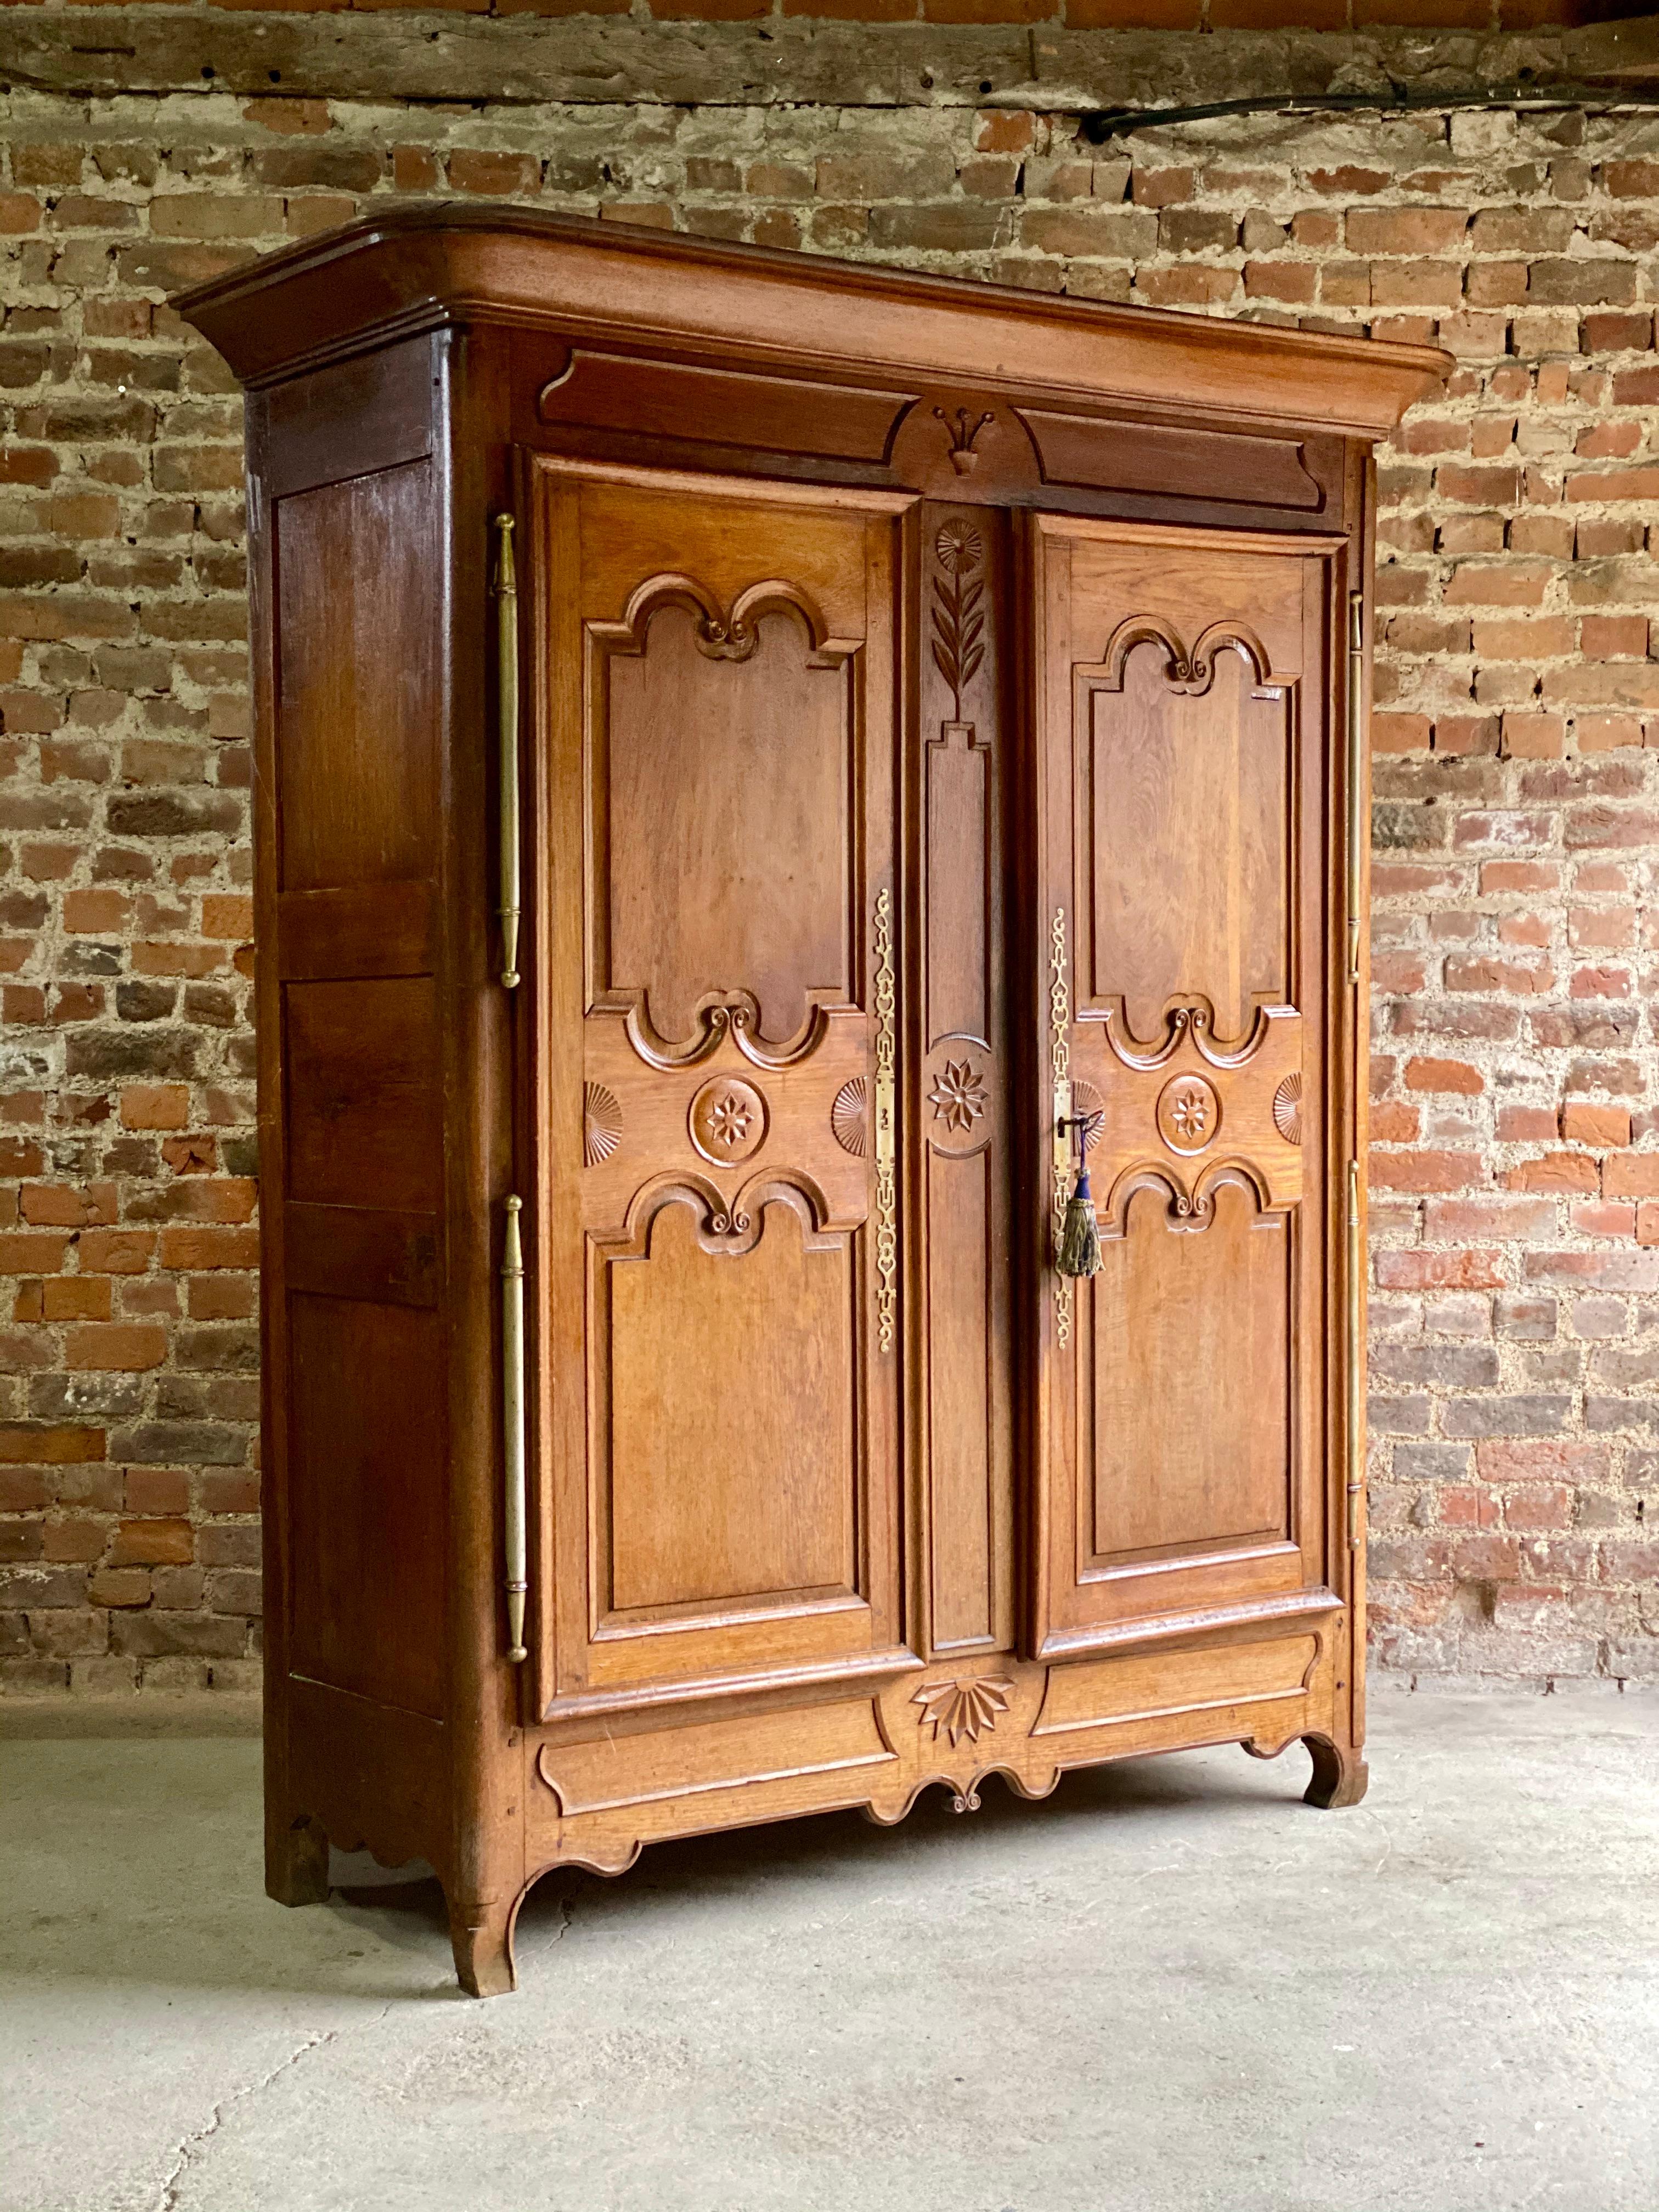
x=1080, y=1239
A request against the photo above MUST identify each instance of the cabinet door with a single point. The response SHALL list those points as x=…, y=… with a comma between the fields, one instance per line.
x=1186, y=839
x=715, y=714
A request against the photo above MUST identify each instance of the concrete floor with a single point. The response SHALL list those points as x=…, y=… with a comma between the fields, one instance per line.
x=1169, y=1987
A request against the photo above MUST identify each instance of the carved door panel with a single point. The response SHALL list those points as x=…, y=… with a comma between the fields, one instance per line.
x=717, y=1047
x=1185, y=833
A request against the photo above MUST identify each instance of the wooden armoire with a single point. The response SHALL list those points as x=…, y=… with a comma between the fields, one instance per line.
x=762, y=764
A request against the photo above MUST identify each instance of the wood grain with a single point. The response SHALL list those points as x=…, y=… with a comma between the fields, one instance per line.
x=919, y=680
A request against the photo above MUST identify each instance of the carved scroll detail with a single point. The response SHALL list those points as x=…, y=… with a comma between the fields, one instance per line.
x=1190, y=674
x=886, y=1133
x=1196, y=1022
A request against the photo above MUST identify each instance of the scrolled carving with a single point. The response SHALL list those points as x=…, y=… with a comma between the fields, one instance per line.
x=602, y=1122
x=723, y=633
x=1190, y=673
x=726, y=1228
x=1196, y=1021
x=1191, y=1206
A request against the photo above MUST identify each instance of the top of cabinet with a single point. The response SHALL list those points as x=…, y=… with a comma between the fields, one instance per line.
x=419, y=268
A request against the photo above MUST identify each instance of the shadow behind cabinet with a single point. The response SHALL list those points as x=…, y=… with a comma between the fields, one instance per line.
x=758, y=759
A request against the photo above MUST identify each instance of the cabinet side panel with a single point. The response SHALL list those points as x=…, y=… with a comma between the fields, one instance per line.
x=357, y=733
x=367, y=1528
x=352, y=1108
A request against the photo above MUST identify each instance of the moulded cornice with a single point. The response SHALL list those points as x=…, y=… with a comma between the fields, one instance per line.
x=421, y=268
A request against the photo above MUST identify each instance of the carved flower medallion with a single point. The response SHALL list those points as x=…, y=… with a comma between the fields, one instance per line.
x=957, y=1096
x=728, y=1121
x=1189, y=1114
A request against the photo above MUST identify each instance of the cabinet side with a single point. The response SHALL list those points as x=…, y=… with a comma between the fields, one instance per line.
x=347, y=494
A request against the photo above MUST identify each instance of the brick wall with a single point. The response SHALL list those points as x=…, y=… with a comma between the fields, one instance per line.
x=1515, y=1170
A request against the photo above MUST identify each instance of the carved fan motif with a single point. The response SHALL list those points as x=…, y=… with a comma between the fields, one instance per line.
x=849, y=1117
x=1086, y=1101
x=1287, y=1109
x=601, y=1124
x=968, y=1708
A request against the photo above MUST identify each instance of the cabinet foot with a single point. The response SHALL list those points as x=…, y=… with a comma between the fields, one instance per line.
x=296, y=1863
x=481, y=1935
x=1340, y=1774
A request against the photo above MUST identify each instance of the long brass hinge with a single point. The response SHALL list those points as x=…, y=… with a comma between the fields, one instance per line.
x=1358, y=826
x=507, y=695
x=1356, y=1423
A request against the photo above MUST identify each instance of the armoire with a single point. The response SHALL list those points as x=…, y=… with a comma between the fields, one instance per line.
x=764, y=764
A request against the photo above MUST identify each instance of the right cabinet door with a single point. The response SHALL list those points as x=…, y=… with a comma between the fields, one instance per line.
x=1188, y=837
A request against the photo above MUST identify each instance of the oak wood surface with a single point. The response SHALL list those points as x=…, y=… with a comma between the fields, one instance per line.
x=853, y=651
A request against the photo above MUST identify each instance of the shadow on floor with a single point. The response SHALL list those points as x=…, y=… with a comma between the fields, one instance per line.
x=198, y=1918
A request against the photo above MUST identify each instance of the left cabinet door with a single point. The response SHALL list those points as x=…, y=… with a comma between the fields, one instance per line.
x=714, y=709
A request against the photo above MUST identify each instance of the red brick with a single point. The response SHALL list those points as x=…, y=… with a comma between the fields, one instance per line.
x=1555, y=1171
x=1600, y=1126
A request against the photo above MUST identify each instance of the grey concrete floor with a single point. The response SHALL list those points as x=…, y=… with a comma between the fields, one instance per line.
x=1169, y=1987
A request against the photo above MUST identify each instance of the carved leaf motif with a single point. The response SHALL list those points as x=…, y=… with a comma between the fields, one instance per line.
x=1287, y=1109
x=849, y=1117
x=601, y=1124
x=968, y=1708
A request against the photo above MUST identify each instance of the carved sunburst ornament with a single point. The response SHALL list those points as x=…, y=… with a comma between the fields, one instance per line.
x=601, y=1124
x=1287, y=1109
x=957, y=1096
x=968, y=1708
x=959, y=547
x=849, y=1117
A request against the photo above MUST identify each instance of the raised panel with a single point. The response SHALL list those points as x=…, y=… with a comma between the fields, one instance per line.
x=1192, y=1392
x=729, y=1476
x=723, y=769
x=355, y=572
x=365, y=1116
x=1188, y=835
x=717, y=1080
x=366, y=1498
x=964, y=1464
x=965, y=1538
x=1185, y=764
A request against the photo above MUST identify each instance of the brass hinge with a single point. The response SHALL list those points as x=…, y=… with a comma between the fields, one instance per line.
x=1356, y=1348
x=507, y=695
x=1358, y=826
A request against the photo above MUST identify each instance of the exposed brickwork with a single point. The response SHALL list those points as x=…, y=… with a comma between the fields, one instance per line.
x=1197, y=15
x=1515, y=1169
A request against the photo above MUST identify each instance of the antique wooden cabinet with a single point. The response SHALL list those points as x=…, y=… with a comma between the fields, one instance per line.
x=752, y=750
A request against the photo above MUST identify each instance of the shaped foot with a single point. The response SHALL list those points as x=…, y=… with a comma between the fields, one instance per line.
x=1340, y=1774
x=481, y=1936
x=296, y=1865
